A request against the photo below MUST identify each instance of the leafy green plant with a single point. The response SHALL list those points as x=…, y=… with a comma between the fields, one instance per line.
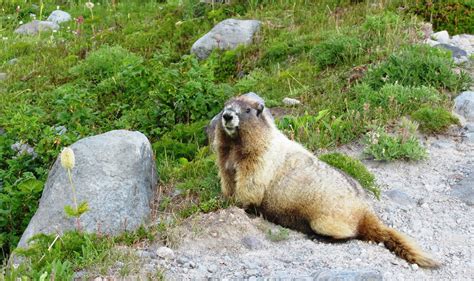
x=417, y=66
x=455, y=16
x=403, y=145
x=354, y=168
x=434, y=120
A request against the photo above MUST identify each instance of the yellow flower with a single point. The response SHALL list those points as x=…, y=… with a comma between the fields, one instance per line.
x=89, y=5
x=67, y=158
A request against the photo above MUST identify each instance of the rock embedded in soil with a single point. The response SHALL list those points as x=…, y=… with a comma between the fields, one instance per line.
x=226, y=35
x=400, y=197
x=464, y=190
x=441, y=36
x=36, y=26
x=347, y=275
x=464, y=105
x=252, y=242
x=165, y=253
x=456, y=52
x=114, y=173
x=290, y=101
x=59, y=16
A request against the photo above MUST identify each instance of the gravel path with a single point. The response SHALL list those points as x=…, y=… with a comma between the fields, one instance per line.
x=431, y=201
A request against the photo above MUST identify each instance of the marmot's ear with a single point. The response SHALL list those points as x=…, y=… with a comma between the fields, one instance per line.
x=260, y=108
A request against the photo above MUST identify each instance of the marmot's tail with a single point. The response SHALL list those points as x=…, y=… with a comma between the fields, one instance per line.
x=372, y=229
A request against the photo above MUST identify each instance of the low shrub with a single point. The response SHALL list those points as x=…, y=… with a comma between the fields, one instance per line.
x=354, y=168
x=434, y=120
x=403, y=145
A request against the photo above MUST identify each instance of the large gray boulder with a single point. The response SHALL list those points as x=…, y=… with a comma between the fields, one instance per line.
x=226, y=35
x=32, y=28
x=59, y=16
x=464, y=105
x=114, y=172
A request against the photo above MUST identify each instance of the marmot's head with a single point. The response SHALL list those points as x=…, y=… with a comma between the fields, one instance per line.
x=242, y=114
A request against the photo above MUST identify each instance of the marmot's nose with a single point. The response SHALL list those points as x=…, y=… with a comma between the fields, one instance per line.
x=227, y=117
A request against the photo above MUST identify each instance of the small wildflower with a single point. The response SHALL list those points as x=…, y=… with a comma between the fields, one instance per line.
x=67, y=158
x=89, y=5
x=57, y=7
x=21, y=22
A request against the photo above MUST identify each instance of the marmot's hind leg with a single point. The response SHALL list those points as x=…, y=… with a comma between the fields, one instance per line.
x=332, y=227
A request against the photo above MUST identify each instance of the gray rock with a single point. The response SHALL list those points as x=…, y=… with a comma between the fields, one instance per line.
x=347, y=275
x=114, y=173
x=226, y=35
x=456, y=52
x=3, y=76
x=23, y=148
x=443, y=144
x=165, y=253
x=59, y=16
x=441, y=36
x=464, y=190
x=290, y=101
x=400, y=197
x=251, y=242
x=60, y=130
x=464, y=105
x=470, y=136
x=143, y=254
x=13, y=61
x=36, y=26
x=469, y=127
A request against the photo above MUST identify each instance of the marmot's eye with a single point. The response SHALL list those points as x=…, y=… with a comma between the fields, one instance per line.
x=248, y=110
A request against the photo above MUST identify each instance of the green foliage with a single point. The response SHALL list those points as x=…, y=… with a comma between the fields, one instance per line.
x=336, y=50
x=434, y=120
x=455, y=16
x=59, y=256
x=403, y=145
x=76, y=213
x=354, y=168
x=416, y=66
x=278, y=234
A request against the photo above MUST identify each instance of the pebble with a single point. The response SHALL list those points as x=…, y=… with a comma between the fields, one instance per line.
x=165, y=253
x=251, y=242
x=414, y=266
x=290, y=101
x=441, y=36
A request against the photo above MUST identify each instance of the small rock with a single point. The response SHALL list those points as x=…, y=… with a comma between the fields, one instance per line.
x=441, y=36
x=212, y=268
x=442, y=144
x=464, y=105
x=414, y=266
x=3, y=76
x=149, y=268
x=347, y=275
x=119, y=264
x=464, y=190
x=182, y=260
x=400, y=197
x=251, y=242
x=191, y=264
x=79, y=275
x=469, y=127
x=165, y=253
x=431, y=43
x=13, y=61
x=456, y=52
x=290, y=101
x=143, y=254
x=23, y=148
x=59, y=16
x=226, y=35
x=60, y=130
x=470, y=136
x=32, y=28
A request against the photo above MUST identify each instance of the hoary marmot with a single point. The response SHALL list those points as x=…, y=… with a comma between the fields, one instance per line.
x=261, y=168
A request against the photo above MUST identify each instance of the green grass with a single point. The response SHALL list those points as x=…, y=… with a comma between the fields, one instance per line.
x=434, y=120
x=129, y=67
x=354, y=168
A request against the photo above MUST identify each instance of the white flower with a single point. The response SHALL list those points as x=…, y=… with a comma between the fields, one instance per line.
x=89, y=5
x=57, y=7
x=21, y=22
x=67, y=158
